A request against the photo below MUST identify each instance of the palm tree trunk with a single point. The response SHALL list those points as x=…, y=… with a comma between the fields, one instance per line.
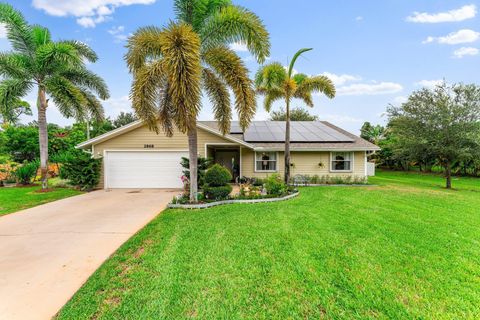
x=193, y=162
x=287, y=142
x=43, y=135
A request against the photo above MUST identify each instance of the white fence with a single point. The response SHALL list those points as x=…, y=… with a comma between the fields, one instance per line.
x=370, y=169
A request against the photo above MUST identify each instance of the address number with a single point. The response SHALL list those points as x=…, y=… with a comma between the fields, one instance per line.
x=149, y=146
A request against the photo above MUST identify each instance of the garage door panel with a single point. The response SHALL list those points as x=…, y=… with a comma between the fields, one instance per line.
x=141, y=169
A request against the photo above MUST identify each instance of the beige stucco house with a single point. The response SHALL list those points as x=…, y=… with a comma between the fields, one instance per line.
x=135, y=157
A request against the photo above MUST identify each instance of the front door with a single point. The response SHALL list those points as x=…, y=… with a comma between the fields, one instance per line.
x=230, y=159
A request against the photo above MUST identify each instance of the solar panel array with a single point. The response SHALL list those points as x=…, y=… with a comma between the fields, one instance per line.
x=300, y=131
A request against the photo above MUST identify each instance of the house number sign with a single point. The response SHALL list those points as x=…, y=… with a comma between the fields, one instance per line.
x=149, y=146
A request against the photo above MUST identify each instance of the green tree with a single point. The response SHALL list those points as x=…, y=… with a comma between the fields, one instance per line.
x=57, y=70
x=11, y=111
x=296, y=114
x=372, y=133
x=276, y=83
x=172, y=66
x=442, y=123
x=123, y=119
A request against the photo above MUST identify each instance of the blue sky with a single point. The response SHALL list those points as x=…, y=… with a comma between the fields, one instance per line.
x=377, y=52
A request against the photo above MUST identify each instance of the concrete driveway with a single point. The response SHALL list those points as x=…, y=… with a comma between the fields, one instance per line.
x=48, y=252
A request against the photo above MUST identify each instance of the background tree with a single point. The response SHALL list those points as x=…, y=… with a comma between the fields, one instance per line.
x=296, y=114
x=11, y=111
x=372, y=133
x=57, y=70
x=276, y=83
x=443, y=123
x=123, y=119
x=216, y=23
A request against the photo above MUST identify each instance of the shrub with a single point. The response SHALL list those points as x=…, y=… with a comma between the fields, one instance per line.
x=26, y=172
x=274, y=185
x=81, y=170
x=217, y=176
x=203, y=165
x=217, y=193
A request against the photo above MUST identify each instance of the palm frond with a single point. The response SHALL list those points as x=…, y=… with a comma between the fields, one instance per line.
x=93, y=106
x=320, y=84
x=306, y=96
x=84, y=77
x=270, y=76
x=18, y=31
x=56, y=56
x=219, y=97
x=299, y=77
x=181, y=55
x=294, y=59
x=144, y=92
x=233, y=71
x=12, y=90
x=83, y=50
x=143, y=46
x=68, y=98
x=14, y=65
x=166, y=111
x=236, y=24
x=40, y=35
x=271, y=96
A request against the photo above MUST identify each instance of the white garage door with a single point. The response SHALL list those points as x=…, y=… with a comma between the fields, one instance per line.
x=143, y=169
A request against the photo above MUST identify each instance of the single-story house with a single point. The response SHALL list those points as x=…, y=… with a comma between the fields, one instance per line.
x=135, y=157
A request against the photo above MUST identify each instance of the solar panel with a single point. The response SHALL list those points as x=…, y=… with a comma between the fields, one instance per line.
x=302, y=131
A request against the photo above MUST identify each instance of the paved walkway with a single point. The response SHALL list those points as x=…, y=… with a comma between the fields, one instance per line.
x=48, y=252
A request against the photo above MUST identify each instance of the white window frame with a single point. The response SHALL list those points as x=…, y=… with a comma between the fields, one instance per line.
x=255, y=161
x=352, y=161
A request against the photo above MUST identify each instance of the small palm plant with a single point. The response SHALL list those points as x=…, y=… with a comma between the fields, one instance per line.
x=276, y=83
x=57, y=70
x=160, y=69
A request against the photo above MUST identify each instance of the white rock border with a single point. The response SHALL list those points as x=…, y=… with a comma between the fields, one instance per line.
x=218, y=203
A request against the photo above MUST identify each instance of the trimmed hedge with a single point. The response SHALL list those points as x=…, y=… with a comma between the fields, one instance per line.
x=217, y=176
x=217, y=193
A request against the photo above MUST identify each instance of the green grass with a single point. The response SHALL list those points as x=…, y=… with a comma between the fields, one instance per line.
x=405, y=249
x=19, y=198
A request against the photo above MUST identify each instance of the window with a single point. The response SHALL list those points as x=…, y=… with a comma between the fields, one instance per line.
x=341, y=161
x=265, y=161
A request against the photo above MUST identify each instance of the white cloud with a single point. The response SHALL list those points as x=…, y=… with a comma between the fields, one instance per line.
x=430, y=84
x=340, y=79
x=463, y=13
x=369, y=89
x=114, y=106
x=118, y=33
x=3, y=31
x=465, y=51
x=239, y=47
x=359, y=18
x=460, y=36
x=88, y=12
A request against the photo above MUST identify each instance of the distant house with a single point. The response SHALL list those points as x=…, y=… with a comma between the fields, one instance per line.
x=135, y=157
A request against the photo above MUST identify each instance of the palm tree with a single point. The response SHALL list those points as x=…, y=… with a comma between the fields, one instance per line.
x=216, y=23
x=275, y=83
x=56, y=68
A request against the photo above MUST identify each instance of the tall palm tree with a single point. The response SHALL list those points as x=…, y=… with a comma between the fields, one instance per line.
x=275, y=83
x=56, y=68
x=217, y=23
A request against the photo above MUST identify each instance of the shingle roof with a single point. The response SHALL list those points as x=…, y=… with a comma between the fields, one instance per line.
x=310, y=135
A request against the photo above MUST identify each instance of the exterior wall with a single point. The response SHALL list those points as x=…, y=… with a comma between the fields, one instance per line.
x=137, y=138
x=305, y=163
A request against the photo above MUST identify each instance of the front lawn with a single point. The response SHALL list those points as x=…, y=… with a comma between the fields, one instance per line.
x=404, y=249
x=19, y=198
